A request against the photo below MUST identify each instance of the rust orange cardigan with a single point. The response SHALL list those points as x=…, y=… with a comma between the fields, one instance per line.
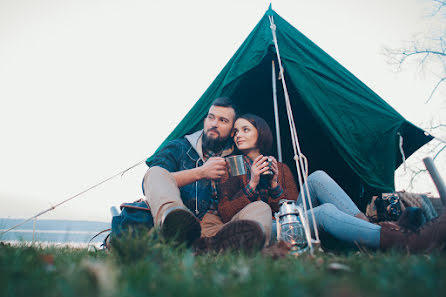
x=232, y=199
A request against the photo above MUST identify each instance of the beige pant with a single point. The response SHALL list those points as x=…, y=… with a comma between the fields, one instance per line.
x=257, y=211
x=162, y=192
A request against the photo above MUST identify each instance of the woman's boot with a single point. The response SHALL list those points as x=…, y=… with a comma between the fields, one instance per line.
x=431, y=235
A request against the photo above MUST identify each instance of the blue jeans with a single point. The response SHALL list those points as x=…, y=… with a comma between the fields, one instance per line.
x=335, y=212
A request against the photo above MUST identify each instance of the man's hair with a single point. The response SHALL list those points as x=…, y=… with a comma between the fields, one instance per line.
x=226, y=102
x=264, y=134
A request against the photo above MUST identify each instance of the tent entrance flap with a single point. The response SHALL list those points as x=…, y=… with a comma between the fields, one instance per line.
x=255, y=97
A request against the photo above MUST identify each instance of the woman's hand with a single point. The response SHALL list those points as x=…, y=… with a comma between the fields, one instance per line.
x=259, y=165
x=275, y=169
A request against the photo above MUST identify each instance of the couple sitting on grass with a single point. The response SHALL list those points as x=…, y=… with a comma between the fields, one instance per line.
x=194, y=200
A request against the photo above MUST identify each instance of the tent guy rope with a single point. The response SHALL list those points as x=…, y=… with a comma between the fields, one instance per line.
x=302, y=170
x=121, y=173
x=403, y=155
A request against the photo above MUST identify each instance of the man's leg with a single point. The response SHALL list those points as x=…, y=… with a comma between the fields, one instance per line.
x=161, y=192
x=259, y=212
x=249, y=230
x=210, y=225
x=168, y=210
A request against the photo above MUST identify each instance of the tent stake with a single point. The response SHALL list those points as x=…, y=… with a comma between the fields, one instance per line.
x=276, y=116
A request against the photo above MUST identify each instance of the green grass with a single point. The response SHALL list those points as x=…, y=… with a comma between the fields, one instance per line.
x=148, y=267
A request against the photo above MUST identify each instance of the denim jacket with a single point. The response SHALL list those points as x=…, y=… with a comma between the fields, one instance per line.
x=183, y=154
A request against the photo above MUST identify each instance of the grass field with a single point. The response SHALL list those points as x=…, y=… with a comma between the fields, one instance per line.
x=148, y=267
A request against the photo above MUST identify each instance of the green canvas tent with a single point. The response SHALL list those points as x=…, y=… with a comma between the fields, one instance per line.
x=344, y=128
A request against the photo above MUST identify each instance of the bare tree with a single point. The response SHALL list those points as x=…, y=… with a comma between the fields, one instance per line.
x=428, y=53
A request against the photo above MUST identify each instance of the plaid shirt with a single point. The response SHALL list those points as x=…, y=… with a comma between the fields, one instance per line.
x=263, y=189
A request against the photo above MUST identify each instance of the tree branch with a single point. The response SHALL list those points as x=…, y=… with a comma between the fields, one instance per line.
x=415, y=174
x=440, y=5
x=427, y=52
x=435, y=89
x=437, y=126
x=436, y=155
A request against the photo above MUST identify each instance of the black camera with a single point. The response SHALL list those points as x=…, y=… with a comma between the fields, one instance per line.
x=388, y=207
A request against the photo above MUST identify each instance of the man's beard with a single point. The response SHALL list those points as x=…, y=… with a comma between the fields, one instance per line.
x=215, y=145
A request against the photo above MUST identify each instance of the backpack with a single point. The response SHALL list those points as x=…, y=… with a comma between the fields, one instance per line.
x=134, y=216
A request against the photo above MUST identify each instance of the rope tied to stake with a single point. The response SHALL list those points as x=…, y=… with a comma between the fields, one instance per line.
x=72, y=197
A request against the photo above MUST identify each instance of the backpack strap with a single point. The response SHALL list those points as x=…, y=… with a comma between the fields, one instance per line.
x=106, y=230
x=128, y=205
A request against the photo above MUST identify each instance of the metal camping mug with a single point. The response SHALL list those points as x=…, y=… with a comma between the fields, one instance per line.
x=270, y=164
x=268, y=174
x=236, y=165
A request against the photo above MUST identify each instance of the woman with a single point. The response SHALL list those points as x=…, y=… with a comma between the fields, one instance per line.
x=333, y=209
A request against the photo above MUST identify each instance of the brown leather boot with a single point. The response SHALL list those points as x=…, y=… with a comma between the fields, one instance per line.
x=179, y=224
x=243, y=235
x=431, y=235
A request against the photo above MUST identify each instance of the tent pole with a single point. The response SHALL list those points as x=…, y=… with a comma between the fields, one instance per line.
x=276, y=116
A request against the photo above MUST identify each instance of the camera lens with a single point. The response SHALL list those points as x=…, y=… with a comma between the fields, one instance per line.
x=393, y=200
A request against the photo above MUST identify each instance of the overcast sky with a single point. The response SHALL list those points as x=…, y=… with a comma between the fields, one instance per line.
x=89, y=88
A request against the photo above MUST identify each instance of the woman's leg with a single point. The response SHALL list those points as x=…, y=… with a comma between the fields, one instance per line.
x=323, y=189
x=344, y=226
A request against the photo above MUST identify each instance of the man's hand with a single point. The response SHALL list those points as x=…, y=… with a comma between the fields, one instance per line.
x=214, y=168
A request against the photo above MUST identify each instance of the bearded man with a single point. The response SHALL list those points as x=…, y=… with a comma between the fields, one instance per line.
x=181, y=186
